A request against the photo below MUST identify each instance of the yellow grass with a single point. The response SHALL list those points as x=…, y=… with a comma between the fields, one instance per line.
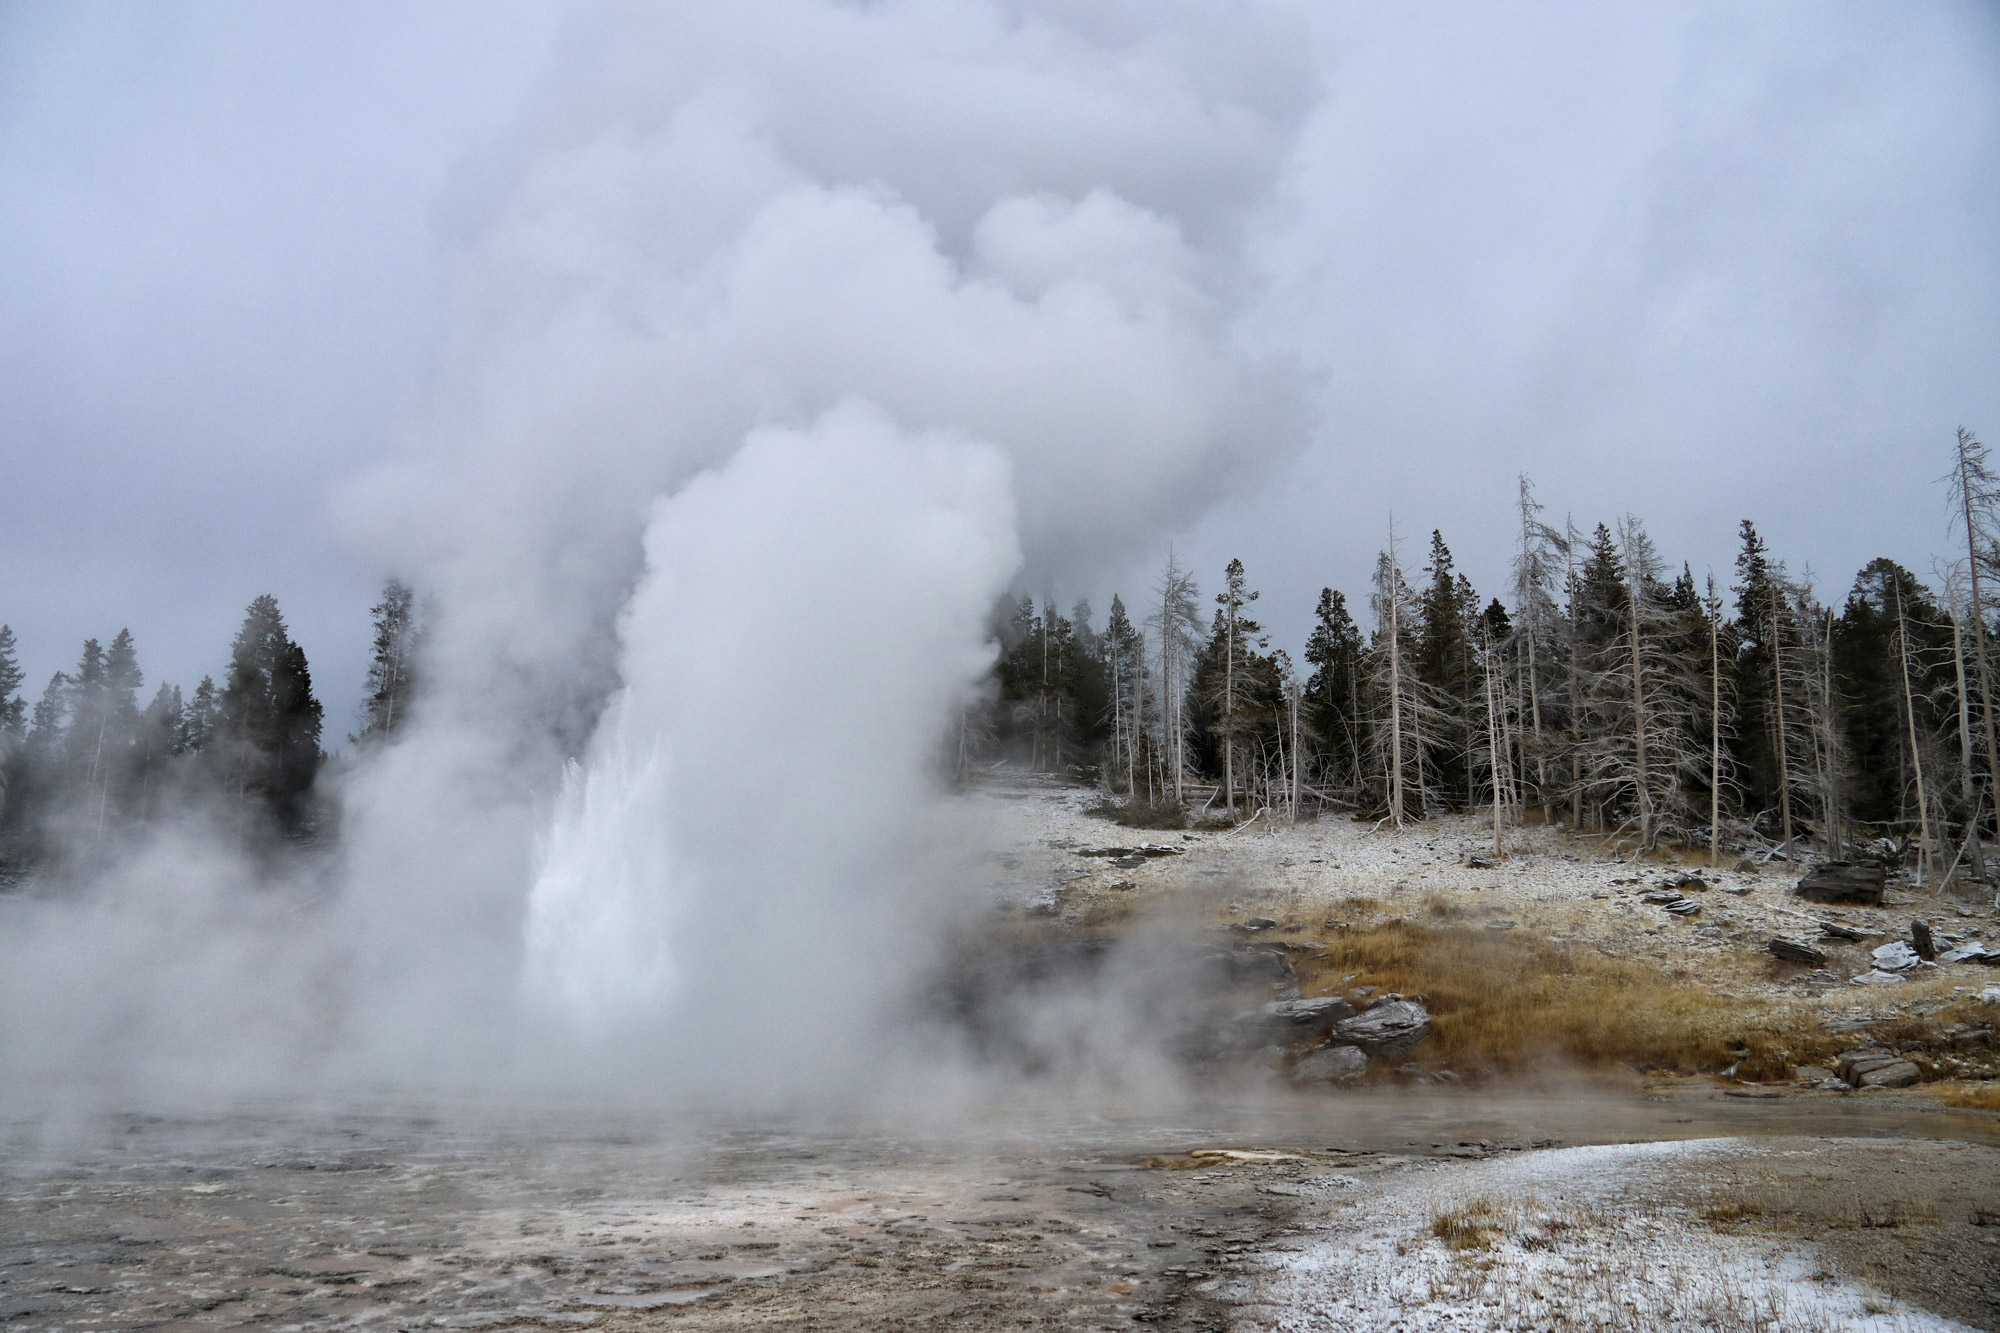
x=1509, y=1000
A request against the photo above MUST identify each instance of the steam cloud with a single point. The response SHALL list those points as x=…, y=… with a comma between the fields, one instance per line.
x=784, y=338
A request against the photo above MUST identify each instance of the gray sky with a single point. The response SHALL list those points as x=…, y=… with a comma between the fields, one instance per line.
x=1695, y=263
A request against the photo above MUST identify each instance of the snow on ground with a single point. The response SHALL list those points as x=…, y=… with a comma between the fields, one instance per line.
x=1564, y=889
x=1577, y=1238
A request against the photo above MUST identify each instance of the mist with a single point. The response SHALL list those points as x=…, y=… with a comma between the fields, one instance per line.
x=767, y=345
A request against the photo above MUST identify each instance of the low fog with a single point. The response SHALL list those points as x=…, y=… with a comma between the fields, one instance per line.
x=731, y=362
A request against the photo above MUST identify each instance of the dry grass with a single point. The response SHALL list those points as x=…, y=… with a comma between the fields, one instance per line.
x=1973, y=1097
x=1511, y=1001
x=1732, y=1211
x=1467, y=1226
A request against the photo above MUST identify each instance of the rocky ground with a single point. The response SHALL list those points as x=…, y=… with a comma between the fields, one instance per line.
x=1261, y=1198
x=1280, y=887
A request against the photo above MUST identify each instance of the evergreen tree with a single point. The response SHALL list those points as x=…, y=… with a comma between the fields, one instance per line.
x=266, y=731
x=13, y=729
x=13, y=708
x=197, y=720
x=1332, y=694
x=392, y=667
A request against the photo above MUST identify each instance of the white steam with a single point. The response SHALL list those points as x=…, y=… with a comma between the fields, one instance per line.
x=810, y=616
x=784, y=335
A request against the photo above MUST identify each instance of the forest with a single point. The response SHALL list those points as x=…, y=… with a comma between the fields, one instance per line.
x=1608, y=691
x=88, y=763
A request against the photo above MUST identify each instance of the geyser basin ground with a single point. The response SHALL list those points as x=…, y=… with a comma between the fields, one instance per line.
x=396, y=1218
x=1522, y=1199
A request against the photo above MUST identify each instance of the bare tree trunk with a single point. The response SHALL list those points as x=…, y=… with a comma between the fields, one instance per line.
x=1784, y=761
x=1395, y=693
x=1229, y=712
x=1493, y=749
x=1979, y=656
x=1975, y=853
x=1295, y=750
x=1575, y=690
x=1916, y=757
x=1714, y=725
x=1639, y=720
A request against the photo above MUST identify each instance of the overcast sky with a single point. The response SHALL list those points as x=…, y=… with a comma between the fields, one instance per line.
x=1694, y=262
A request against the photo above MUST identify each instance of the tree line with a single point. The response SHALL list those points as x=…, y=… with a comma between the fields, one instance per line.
x=1605, y=689
x=88, y=762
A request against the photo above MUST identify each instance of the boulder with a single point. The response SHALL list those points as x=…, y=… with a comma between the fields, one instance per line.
x=1330, y=1064
x=1895, y=1074
x=1856, y=882
x=1896, y=957
x=1863, y=1060
x=1875, y=976
x=1394, y=1027
x=1922, y=941
x=1972, y=951
x=1794, y=952
x=1292, y=1021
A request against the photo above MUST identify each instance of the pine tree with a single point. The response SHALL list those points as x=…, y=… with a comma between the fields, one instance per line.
x=1332, y=694
x=1239, y=637
x=13, y=728
x=197, y=720
x=266, y=730
x=392, y=668
x=13, y=708
x=1176, y=626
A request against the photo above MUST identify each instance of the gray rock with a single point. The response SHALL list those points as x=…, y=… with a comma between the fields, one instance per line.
x=1794, y=952
x=1687, y=879
x=1395, y=1027
x=1858, y=882
x=1877, y=977
x=1895, y=1074
x=1862, y=1060
x=1921, y=940
x=1479, y=862
x=1896, y=957
x=1292, y=1021
x=1836, y=930
x=1811, y=1074
x=1331, y=1064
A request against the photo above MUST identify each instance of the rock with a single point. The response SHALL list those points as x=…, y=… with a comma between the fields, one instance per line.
x=1331, y=1064
x=1972, y=951
x=1835, y=930
x=1128, y=862
x=1811, y=1074
x=1921, y=940
x=1395, y=1027
x=1446, y=1076
x=1794, y=952
x=1896, y=1074
x=1877, y=977
x=1687, y=879
x=1896, y=957
x=1479, y=862
x=1254, y=923
x=1991, y=995
x=1856, y=882
x=1674, y=902
x=1254, y=963
x=1863, y=1059
x=1500, y=925
x=1293, y=1021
